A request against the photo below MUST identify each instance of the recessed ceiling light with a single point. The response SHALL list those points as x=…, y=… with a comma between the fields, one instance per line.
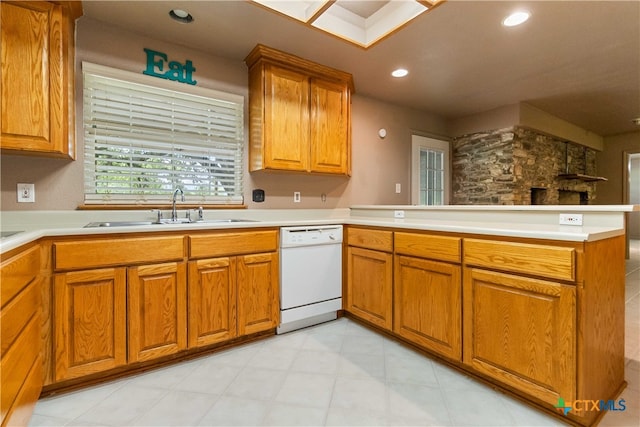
x=400, y=72
x=181, y=16
x=516, y=18
x=636, y=121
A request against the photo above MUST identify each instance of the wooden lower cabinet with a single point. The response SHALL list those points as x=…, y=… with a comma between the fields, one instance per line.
x=232, y=296
x=427, y=298
x=212, y=301
x=369, y=285
x=90, y=321
x=21, y=376
x=522, y=332
x=258, y=306
x=157, y=310
x=113, y=309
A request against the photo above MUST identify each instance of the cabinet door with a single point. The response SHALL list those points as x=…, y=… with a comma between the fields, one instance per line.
x=258, y=294
x=286, y=119
x=157, y=310
x=330, y=121
x=212, y=301
x=521, y=331
x=21, y=342
x=369, y=285
x=89, y=322
x=427, y=299
x=35, y=80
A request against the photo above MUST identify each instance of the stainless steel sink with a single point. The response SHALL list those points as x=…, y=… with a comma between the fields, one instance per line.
x=117, y=224
x=163, y=221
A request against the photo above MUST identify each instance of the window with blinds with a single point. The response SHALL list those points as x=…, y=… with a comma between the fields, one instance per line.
x=143, y=139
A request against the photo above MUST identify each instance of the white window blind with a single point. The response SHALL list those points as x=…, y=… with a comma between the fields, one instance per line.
x=143, y=140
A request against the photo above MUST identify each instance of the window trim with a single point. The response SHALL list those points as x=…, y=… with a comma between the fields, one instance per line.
x=91, y=201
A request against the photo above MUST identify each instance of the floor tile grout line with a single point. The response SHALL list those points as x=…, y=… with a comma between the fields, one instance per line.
x=134, y=421
x=77, y=418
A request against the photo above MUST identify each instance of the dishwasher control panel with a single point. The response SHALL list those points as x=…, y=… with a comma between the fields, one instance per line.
x=310, y=235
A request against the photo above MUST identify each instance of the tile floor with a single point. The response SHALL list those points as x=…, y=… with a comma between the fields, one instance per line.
x=335, y=374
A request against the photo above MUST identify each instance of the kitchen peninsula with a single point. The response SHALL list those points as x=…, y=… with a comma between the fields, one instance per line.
x=503, y=293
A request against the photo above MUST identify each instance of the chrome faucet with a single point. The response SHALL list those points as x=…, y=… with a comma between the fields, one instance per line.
x=174, y=213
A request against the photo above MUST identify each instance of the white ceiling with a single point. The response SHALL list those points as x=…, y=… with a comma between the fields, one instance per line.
x=578, y=60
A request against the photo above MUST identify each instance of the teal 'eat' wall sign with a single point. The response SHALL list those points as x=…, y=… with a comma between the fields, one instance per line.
x=175, y=71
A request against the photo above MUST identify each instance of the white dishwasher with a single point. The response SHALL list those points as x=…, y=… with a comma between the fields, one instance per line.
x=310, y=275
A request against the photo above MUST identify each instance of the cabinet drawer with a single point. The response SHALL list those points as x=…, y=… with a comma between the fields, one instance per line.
x=17, y=314
x=18, y=272
x=17, y=364
x=539, y=260
x=111, y=252
x=440, y=248
x=378, y=240
x=220, y=244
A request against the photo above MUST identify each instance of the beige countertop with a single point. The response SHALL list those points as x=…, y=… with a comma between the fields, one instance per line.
x=539, y=222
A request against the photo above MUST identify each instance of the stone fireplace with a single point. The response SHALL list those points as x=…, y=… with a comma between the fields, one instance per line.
x=569, y=197
x=520, y=166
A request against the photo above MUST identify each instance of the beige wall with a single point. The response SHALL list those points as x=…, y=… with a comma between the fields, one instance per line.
x=610, y=163
x=633, y=224
x=378, y=164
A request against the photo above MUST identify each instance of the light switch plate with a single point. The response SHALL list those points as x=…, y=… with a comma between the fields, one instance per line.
x=26, y=193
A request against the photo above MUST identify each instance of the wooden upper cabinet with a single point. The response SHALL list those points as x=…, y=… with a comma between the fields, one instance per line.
x=37, y=88
x=286, y=124
x=330, y=119
x=299, y=114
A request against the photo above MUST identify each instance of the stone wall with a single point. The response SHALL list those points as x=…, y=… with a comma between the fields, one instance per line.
x=504, y=165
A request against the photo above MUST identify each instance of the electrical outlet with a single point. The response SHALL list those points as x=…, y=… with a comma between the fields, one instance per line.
x=296, y=197
x=570, y=219
x=398, y=214
x=26, y=193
